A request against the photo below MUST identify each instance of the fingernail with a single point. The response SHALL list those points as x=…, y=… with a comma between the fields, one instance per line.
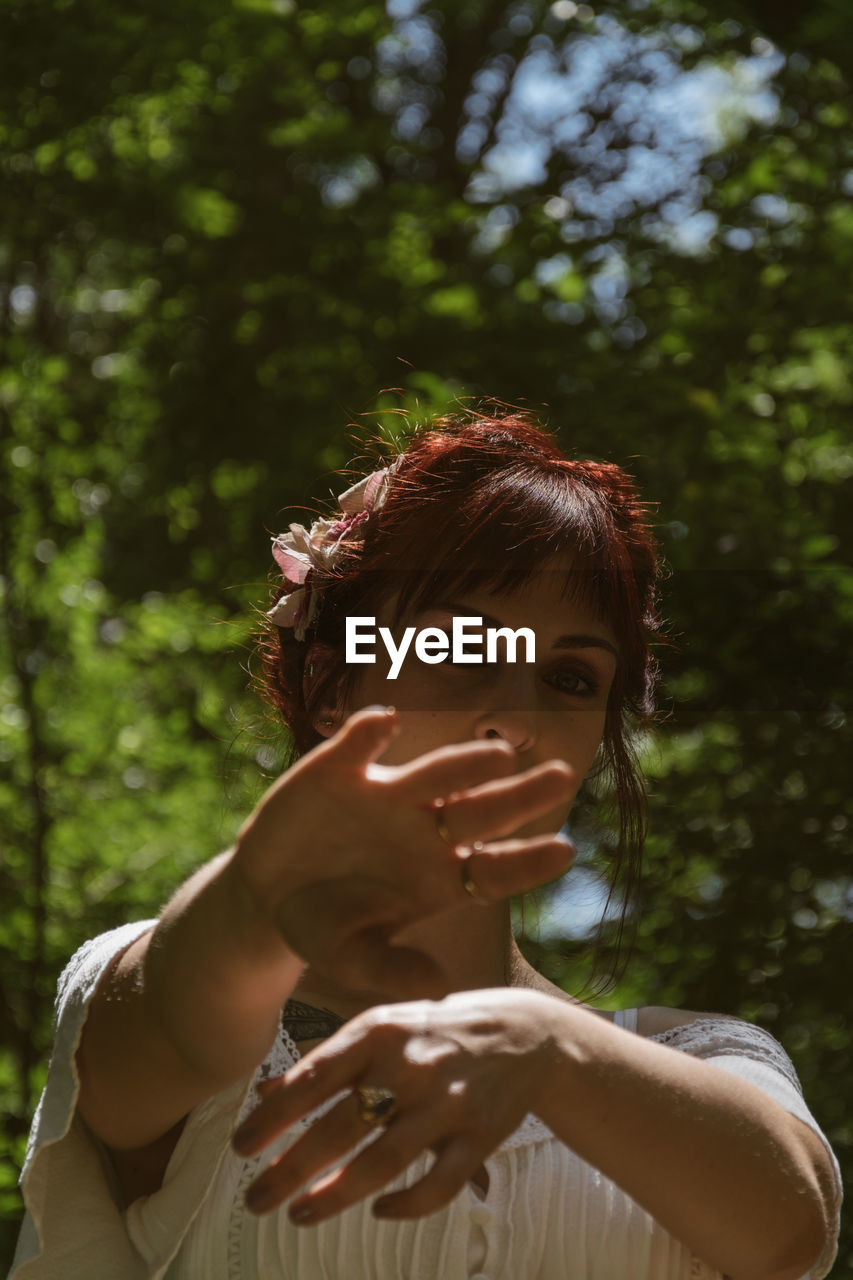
x=244, y=1139
x=259, y=1198
x=300, y=1213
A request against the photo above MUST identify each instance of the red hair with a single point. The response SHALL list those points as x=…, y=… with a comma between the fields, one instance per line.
x=479, y=502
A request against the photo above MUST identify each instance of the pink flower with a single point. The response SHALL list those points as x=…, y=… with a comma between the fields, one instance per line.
x=302, y=550
x=368, y=494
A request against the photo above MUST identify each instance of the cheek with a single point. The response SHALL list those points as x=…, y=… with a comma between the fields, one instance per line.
x=594, y=739
x=581, y=739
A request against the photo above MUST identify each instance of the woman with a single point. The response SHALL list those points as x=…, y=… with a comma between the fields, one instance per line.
x=427, y=1104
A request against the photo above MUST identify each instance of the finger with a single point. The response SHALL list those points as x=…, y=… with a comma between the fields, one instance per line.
x=455, y=768
x=456, y=1163
x=363, y=736
x=333, y=1066
x=499, y=808
x=327, y=1141
x=514, y=866
x=373, y=1168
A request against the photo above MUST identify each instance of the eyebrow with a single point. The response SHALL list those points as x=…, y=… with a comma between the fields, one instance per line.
x=574, y=640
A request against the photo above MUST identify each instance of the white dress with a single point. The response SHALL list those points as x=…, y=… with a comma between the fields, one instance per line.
x=547, y=1214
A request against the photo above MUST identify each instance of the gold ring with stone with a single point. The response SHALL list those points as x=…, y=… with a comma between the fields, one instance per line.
x=375, y=1104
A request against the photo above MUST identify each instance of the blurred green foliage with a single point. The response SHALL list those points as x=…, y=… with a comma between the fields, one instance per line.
x=227, y=232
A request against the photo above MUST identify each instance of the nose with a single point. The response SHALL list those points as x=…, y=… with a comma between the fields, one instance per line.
x=513, y=724
x=509, y=710
x=527, y=741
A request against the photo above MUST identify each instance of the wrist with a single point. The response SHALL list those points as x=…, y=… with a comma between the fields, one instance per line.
x=571, y=1057
x=547, y=1027
x=253, y=911
x=215, y=932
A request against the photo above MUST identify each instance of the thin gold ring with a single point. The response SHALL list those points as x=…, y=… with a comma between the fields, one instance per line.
x=467, y=882
x=441, y=825
x=375, y=1104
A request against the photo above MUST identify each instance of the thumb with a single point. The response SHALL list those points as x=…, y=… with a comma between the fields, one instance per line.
x=365, y=734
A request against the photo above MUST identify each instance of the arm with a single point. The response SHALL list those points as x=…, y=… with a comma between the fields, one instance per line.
x=316, y=875
x=719, y=1164
x=187, y=1010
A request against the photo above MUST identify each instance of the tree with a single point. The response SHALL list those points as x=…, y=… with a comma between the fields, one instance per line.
x=225, y=231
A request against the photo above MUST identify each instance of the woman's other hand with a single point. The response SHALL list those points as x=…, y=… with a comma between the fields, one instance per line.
x=340, y=855
x=464, y=1072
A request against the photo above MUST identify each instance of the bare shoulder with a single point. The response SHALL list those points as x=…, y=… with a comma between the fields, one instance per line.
x=651, y=1020
x=655, y=1018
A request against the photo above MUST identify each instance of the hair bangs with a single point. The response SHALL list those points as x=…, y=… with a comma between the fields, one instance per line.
x=516, y=524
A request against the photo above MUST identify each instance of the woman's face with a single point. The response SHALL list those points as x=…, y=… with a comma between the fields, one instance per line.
x=553, y=708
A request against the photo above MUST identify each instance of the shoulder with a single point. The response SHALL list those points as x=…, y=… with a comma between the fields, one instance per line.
x=717, y=1036
x=92, y=960
x=656, y=1019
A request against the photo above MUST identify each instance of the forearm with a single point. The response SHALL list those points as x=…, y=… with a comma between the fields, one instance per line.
x=712, y=1158
x=217, y=973
x=188, y=1010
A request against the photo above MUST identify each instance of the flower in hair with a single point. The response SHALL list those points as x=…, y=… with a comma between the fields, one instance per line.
x=301, y=551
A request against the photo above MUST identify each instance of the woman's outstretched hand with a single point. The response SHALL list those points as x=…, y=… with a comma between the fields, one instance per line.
x=342, y=852
x=690, y=1142
x=464, y=1072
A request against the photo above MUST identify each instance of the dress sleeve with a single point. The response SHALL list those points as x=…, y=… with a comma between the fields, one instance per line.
x=72, y=1226
x=75, y=1227
x=755, y=1055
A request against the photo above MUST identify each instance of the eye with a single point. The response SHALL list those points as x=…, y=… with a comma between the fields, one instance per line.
x=584, y=684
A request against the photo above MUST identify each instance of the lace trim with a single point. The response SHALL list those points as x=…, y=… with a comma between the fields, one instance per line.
x=283, y=1055
x=702, y=1038
x=722, y=1037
